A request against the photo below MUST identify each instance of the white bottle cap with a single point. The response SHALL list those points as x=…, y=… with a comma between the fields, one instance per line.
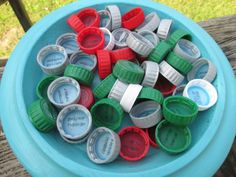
x=74, y=122
x=84, y=60
x=130, y=96
x=69, y=42
x=151, y=73
x=149, y=35
x=146, y=114
x=170, y=73
x=187, y=50
x=63, y=92
x=120, y=35
x=202, y=69
x=105, y=19
x=164, y=29
x=179, y=90
x=103, y=146
x=202, y=92
x=151, y=22
x=109, y=39
x=52, y=59
x=139, y=44
x=115, y=16
x=118, y=90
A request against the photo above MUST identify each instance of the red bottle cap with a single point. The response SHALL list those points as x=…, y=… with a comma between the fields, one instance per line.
x=104, y=63
x=86, y=96
x=141, y=59
x=134, y=143
x=122, y=54
x=133, y=18
x=90, y=40
x=151, y=135
x=87, y=17
x=164, y=86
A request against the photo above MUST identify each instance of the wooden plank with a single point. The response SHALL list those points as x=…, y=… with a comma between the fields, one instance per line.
x=224, y=32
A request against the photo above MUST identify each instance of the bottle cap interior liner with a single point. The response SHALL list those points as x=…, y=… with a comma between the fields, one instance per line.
x=120, y=36
x=118, y=90
x=164, y=28
x=151, y=36
x=109, y=39
x=202, y=92
x=115, y=16
x=63, y=91
x=105, y=19
x=77, y=141
x=151, y=73
x=179, y=90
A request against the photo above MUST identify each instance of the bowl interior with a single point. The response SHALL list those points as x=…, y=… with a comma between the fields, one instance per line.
x=77, y=153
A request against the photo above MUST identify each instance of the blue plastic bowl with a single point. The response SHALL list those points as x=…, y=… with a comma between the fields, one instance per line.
x=48, y=155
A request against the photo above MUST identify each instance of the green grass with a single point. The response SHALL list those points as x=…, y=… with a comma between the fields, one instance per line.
x=11, y=31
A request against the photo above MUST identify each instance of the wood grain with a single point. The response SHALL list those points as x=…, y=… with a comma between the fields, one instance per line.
x=223, y=30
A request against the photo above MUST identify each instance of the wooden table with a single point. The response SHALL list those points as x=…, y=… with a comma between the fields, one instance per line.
x=223, y=30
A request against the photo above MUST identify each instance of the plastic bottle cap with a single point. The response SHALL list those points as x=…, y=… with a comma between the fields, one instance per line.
x=148, y=93
x=146, y=114
x=149, y=35
x=151, y=73
x=109, y=39
x=134, y=143
x=77, y=141
x=177, y=35
x=139, y=44
x=52, y=59
x=118, y=90
x=128, y=72
x=115, y=16
x=103, y=146
x=108, y=113
x=160, y=52
x=104, y=63
x=202, y=69
x=180, y=64
x=104, y=87
x=164, y=86
x=128, y=99
x=122, y=54
x=84, y=60
x=202, y=92
x=84, y=76
x=63, y=92
x=179, y=110
x=42, y=87
x=133, y=18
x=105, y=19
x=68, y=41
x=171, y=138
x=151, y=135
x=179, y=90
x=151, y=22
x=170, y=73
x=86, y=97
x=87, y=17
x=74, y=122
x=91, y=39
x=120, y=36
x=42, y=115
x=164, y=28
x=187, y=50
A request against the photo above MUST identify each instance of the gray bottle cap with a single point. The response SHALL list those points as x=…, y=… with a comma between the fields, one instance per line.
x=84, y=60
x=103, y=146
x=202, y=69
x=52, y=59
x=151, y=22
x=69, y=42
x=146, y=114
x=118, y=90
x=120, y=36
x=105, y=19
x=63, y=92
x=164, y=29
x=115, y=16
x=151, y=73
x=149, y=35
x=179, y=90
x=79, y=141
x=109, y=39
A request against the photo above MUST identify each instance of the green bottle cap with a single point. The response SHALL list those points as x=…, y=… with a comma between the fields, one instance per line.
x=104, y=87
x=42, y=87
x=128, y=72
x=107, y=113
x=84, y=76
x=179, y=63
x=177, y=35
x=151, y=94
x=171, y=138
x=179, y=110
x=159, y=52
x=43, y=115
